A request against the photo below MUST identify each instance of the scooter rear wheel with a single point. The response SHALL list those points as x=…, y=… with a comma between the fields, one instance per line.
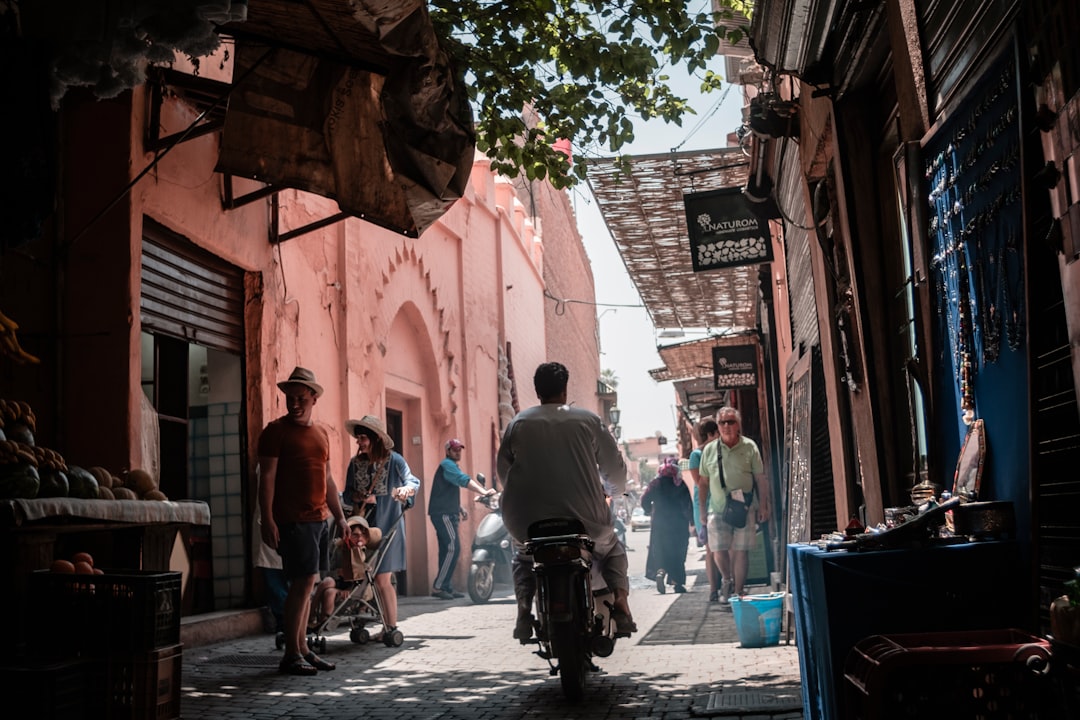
x=574, y=663
x=481, y=581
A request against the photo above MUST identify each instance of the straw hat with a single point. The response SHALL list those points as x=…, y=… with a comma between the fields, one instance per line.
x=374, y=534
x=302, y=376
x=373, y=424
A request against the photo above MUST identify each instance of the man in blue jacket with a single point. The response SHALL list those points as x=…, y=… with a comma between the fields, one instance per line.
x=444, y=507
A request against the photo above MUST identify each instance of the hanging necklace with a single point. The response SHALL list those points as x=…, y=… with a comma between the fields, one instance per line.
x=1014, y=295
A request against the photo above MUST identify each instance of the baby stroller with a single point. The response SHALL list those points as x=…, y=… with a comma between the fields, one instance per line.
x=361, y=606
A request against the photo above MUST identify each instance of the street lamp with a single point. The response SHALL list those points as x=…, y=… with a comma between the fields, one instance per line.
x=614, y=414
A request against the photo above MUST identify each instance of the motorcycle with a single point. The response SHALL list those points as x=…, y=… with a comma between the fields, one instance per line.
x=572, y=623
x=492, y=551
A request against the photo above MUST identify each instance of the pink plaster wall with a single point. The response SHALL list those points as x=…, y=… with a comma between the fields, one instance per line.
x=384, y=321
x=572, y=331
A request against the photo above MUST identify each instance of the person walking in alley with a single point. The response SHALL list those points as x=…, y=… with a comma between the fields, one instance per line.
x=704, y=433
x=379, y=477
x=444, y=508
x=728, y=464
x=551, y=460
x=668, y=499
x=297, y=495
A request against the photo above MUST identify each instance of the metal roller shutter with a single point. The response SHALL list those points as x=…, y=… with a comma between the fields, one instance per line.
x=190, y=294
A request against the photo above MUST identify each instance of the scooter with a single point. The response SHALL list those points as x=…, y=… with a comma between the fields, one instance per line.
x=573, y=624
x=492, y=551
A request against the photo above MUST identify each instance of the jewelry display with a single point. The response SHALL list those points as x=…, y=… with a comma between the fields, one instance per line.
x=973, y=192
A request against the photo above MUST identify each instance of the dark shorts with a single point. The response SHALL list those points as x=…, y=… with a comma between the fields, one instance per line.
x=304, y=549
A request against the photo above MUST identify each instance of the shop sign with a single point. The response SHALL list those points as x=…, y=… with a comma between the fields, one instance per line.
x=724, y=232
x=735, y=366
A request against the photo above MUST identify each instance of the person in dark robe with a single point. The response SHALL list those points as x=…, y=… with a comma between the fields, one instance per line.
x=668, y=500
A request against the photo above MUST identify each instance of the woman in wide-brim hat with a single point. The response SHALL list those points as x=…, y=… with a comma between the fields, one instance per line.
x=379, y=485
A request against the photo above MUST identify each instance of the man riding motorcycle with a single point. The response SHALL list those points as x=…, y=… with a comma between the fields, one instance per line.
x=550, y=462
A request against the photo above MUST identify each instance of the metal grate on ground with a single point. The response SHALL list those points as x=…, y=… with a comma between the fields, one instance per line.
x=756, y=701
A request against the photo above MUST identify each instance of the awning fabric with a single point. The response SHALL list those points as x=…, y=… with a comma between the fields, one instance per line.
x=351, y=100
x=644, y=212
x=693, y=359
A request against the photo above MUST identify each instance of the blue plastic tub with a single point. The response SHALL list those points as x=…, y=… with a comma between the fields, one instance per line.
x=757, y=619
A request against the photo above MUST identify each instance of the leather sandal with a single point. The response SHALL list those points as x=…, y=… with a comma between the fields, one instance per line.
x=295, y=665
x=318, y=663
x=624, y=624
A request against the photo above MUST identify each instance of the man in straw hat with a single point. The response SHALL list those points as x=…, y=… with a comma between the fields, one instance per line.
x=297, y=494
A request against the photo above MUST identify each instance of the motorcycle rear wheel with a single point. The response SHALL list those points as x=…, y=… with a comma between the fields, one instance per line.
x=481, y=581
x=574, y=663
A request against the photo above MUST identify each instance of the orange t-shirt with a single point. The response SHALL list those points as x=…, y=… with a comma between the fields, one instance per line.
x=302, y=452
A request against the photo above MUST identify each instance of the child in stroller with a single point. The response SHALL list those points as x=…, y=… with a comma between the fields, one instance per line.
x=347, y=596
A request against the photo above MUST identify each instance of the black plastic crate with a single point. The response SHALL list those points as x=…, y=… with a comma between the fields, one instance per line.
x=57, y=689
x=94, y=615
x=139, y=685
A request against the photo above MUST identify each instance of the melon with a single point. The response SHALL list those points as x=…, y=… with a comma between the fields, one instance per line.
x=82, y=483
x=83, y=557
x=102, y=476
x=155, y=495
x=53, y=484
x=122, y=493
x=20, y=480
x=140, y=481
x=82, y=568
x=105, y=493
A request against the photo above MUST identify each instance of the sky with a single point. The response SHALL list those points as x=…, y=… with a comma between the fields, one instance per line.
x=628, y=339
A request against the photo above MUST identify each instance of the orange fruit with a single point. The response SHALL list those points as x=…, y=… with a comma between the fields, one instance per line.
x=62, y=566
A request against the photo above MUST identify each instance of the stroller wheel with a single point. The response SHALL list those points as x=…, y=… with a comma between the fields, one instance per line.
x=393, y=638
x=360, y=636
x=321, y=644
x=279, y=641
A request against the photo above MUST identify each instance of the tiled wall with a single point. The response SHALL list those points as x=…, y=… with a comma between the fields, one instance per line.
x=214, y=451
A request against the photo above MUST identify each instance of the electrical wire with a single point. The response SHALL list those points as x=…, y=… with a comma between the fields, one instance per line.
x=561, y=303
x=705, y=118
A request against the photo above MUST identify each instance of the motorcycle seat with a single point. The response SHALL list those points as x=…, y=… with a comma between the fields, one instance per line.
x=556, y=526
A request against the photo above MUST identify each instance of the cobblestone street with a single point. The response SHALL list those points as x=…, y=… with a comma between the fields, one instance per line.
x=459, y=661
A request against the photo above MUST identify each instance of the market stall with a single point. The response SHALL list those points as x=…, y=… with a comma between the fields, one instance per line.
x=127, y=534
x=842, y=596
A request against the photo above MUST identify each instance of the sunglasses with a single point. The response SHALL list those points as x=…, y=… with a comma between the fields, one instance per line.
x=728, y=422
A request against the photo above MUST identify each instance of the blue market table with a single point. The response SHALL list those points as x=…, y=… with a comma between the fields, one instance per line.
x=841, y=597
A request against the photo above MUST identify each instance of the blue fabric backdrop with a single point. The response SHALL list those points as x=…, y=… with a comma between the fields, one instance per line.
x=972, y=175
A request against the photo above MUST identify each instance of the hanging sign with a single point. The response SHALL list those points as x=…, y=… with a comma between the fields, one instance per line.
x=735, y=366
x=724, y=232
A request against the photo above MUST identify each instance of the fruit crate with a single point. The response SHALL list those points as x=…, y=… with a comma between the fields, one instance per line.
x=118, y=611
x=989, y=674
x=141, y=685
x=56, y=689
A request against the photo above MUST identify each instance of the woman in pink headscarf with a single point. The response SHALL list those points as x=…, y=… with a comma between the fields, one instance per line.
x=668, y=500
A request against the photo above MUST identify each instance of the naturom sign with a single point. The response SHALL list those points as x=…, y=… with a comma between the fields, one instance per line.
x=723, y=230
x=735, y=366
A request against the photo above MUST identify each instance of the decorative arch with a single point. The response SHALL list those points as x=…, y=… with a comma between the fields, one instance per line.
x=399, y=291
